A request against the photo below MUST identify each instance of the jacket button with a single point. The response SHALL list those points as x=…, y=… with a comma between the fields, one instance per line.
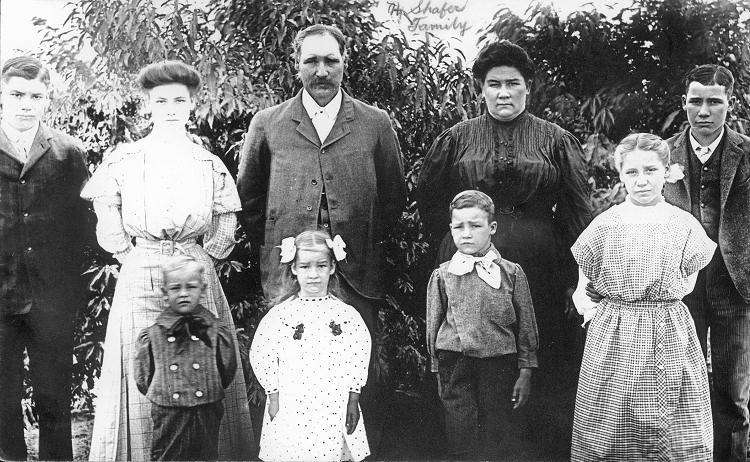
x=705, y=169
x=28, y=249
x=194, y=338
x=314, y=182
x=176, y=395
x=170, y=339
x=23, y=181
x=199, y=394
x=309, y=207
x=26, y=214
x=196, y=366
x=322, y=151
x=703, y=205
x=173, y=367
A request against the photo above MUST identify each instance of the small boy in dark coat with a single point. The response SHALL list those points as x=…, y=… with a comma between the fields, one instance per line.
x=183, y=364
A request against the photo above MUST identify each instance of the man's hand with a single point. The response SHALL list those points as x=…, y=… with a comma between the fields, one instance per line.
x=522, y=389
x=352, y=412
x=273, y=405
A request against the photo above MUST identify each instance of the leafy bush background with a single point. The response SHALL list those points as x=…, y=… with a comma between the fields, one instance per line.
x=600, y=77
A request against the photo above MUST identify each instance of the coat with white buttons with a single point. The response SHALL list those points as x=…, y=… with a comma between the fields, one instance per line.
x=176, y=369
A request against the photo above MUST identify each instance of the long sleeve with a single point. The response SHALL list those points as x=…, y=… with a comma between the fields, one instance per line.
x=219, y=239
x=252, y=179
x=226, y=359
x=527, y=338
x=433, y=186
x=573, y=212
x=264, y=352
x=143, y=365
x=110, y=231
x=389, y=169
x=358, y=347
x=437, y=306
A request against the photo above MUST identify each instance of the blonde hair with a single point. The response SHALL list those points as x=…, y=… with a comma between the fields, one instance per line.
x=175, y=262
x=641, y=142
x=313, y=240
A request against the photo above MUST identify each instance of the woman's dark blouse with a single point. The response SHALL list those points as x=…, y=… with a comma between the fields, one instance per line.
x=533, y=170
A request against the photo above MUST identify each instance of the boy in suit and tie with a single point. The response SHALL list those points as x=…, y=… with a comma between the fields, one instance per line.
x=42, y=224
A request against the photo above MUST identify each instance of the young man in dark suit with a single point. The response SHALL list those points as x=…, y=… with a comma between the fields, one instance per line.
x=42, y=222
x=716, y=190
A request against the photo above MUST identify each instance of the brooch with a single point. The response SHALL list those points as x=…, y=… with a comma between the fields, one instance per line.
x=298, y=331
x=335, y=328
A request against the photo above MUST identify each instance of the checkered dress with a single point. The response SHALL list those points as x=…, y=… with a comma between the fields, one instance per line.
x=140, y=192
x=643, y=390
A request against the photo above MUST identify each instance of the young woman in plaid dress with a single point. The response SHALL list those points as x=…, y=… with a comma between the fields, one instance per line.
x=643, y=390
x=164, y=192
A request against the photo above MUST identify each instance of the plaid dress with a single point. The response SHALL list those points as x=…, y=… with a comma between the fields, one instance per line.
x=164, y=196
x=643, y=390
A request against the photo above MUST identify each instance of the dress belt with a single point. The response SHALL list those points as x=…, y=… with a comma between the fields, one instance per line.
x=164, y=246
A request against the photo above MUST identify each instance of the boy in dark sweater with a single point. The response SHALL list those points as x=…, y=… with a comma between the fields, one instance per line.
x=183, y=364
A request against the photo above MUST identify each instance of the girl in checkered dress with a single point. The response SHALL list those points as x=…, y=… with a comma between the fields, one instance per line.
x=643, y=390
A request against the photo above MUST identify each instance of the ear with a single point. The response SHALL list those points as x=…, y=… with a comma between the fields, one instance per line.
x=294, y=270
x=493, y=228
x=333, y=267
x=684, y=102
x=732, y=103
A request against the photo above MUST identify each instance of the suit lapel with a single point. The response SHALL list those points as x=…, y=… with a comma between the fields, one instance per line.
x=305, y=126
x=6, y=147
x=341, y=127
x=679, y=193
x=730, y=159
x=38, y=148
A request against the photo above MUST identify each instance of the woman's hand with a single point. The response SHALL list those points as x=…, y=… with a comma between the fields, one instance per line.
x=352, y=412
x=591, y=293
x=522, y=388
x=273, y=405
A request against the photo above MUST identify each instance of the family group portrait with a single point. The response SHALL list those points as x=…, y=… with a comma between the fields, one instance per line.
x=365, y=230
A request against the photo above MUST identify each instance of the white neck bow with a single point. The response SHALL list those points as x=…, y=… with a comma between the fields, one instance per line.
x=487, y=269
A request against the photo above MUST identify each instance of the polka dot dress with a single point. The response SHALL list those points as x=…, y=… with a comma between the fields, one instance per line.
x=312, y=351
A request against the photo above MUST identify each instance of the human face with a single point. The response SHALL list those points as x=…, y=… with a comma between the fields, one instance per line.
x=505, y=91
x=183, y=288
x=24, y=102
x=643, y=175
x=313, y=269
x=471, y=230
x=170, y=106
x=706, y=107
x=321, y=67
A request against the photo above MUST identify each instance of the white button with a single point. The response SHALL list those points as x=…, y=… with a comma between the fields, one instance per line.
x=23, y=181
x=176, y=396
x=28, y=249
x=199, y=394
x=26, y=214
x=196, y=366
x=173, y=367
x=171, y=339
x=193, y=337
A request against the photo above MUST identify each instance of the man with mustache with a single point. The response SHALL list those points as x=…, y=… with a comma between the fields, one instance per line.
x=716, y=190
x=324, y=159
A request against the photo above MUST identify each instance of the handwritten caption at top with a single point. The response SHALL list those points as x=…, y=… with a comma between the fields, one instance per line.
x=427, y=16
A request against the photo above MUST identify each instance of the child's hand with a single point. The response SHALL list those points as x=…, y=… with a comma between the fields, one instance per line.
x=273, y=405
x=595, y=296
x=352, y=412
x=522, y=389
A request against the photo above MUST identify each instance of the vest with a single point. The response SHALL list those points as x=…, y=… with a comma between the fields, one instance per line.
x=705, y=192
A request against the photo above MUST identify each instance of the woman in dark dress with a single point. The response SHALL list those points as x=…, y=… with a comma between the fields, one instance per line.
x=535, y=173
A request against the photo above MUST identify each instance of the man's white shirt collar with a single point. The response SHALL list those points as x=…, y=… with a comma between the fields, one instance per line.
x=330, y=110
x=699, y=150
x=20, y=139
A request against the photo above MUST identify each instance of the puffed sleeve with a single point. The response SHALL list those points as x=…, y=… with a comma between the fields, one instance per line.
x=433, y=186
x=143, y=365
x=357, y=347
x=264, y=351
x=573, y=212
x=219, y=239
x=103, y=189
x=437, y=306
x=389, y=169
x=252, y=179
x=698, y=249
x=527, y=338
x=226, y=359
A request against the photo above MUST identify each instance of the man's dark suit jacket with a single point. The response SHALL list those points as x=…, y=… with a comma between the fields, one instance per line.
x=734, y=220
x=283, y=170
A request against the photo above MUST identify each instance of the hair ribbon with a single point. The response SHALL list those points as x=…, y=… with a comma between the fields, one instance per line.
x=337, y=245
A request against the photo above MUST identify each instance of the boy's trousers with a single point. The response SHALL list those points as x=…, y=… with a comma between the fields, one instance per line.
x=186, y=433
x=476, y=395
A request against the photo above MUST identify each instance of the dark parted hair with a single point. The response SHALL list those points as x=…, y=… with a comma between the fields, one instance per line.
x=166, y=72
x=25, y=67
x=474, y=198
x=641, y=142
x=711, y=74
x=502, y=53
x=319, y=29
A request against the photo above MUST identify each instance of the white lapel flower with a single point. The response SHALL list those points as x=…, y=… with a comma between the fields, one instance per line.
x=675, y=173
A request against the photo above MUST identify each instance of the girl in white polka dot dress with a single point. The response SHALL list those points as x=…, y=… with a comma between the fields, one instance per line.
x=643, y=390
x=311, y=353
